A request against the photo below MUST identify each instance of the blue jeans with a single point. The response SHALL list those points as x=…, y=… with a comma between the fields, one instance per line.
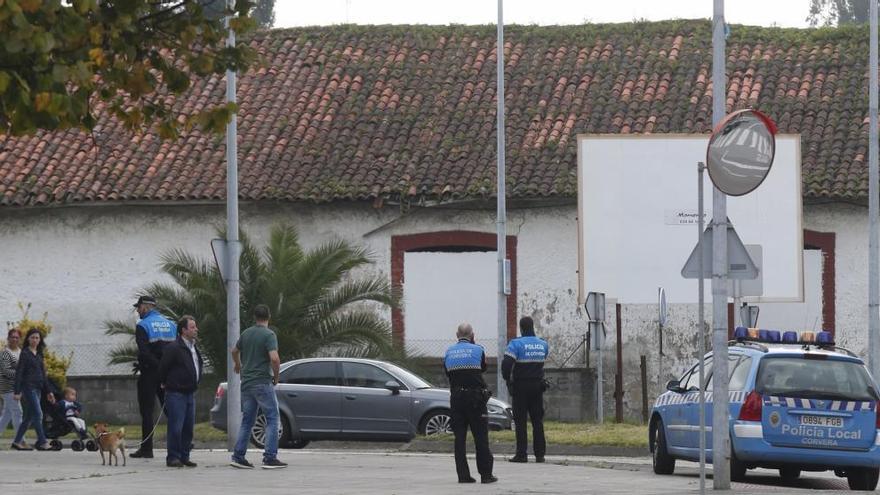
x=254, y=398
x=181, y=411
x=11, y=412
x=33, y=416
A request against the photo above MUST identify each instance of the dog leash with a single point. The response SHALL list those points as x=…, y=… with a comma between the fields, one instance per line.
x=159, y=418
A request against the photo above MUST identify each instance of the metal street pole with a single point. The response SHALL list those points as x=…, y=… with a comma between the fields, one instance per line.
x=233, y=324
x=720, y=437
x=873, y=205
x=701, y=325
x=501, y=222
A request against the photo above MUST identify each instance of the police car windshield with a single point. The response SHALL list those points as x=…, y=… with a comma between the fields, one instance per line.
x=814, y=378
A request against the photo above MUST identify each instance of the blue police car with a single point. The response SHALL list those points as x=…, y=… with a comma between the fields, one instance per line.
x=797, y=403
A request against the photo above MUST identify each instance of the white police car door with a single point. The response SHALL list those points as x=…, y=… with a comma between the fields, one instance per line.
x=817, y=401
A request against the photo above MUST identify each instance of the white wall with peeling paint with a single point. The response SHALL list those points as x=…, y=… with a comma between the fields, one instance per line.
x=82, y=265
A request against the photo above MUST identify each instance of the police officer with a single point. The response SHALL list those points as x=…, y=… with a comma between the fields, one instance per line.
x=523, y=370
x=464, y=364
x=152, y=333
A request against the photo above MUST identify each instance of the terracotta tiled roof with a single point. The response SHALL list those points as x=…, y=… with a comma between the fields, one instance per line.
x=408, y=112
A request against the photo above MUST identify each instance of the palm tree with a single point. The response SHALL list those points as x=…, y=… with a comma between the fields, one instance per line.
x=317, y=307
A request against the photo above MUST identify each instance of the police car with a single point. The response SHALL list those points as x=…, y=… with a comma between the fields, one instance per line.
x=797, y=403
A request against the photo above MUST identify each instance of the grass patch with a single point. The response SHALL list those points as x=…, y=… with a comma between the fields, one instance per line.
x=203, y=432
x=557, y=433
x=578, y=434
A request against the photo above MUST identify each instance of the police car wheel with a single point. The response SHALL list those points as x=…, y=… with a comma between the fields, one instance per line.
x=663, y=462
x=789, y=473
x=435, y=423
x=737, y=468
x=862, y=478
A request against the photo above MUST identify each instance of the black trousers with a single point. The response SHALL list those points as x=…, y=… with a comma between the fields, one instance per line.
x=466, y=414
x=528, y=400
x=148, y=391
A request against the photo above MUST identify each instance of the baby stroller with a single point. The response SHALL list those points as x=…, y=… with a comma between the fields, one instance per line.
x=55, y=425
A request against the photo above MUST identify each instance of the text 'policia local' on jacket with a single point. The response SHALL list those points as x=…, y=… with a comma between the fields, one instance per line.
x=524, y=359
x=464, y=364
x=152, y=334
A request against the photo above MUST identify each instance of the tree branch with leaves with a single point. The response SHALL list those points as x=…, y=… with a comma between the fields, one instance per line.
x=62, y=64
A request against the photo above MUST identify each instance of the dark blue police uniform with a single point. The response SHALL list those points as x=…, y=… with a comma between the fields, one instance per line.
x=523, y=369
x=152, y=334
x=464, y=364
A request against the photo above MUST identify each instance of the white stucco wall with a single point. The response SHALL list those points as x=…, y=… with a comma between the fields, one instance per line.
x=850, y=223
x=83, y=264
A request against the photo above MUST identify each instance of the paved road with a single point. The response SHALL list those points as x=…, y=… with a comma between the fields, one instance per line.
x=359, y=472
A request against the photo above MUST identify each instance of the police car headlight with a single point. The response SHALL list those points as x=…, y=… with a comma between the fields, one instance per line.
x=493, y=409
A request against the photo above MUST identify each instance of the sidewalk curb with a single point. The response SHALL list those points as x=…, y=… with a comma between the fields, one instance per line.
x=434, y=446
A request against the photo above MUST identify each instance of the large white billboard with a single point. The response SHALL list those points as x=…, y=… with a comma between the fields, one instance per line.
x=637, y=216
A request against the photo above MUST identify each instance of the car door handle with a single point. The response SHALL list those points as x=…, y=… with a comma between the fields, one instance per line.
x=350, y=397
x=291, y=394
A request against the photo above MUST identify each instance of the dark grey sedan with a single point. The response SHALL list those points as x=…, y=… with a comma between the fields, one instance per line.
x=355, y=399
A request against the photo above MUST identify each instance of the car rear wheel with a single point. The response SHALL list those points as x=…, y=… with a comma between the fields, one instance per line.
x=789, y=474
x=662, y=461
x=737, y=468
x=258, y=432
x=862, y=478
x=286, y=438
x=436, y=423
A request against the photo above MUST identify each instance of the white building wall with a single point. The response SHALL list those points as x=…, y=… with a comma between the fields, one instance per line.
x=82, y=265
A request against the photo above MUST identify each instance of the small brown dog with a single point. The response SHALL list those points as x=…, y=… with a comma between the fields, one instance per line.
x=110, y=442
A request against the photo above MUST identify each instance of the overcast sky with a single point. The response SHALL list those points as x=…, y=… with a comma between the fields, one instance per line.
x=288, y=13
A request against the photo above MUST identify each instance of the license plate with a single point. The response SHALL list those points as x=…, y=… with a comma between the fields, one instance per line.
x=832, y=421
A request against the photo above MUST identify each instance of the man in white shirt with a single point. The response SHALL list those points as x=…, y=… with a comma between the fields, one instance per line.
x=179, y=373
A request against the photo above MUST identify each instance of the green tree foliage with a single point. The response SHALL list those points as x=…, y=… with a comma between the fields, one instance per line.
x=317, y=307
x=838, y=12
x=264, y=13
x=64, y=61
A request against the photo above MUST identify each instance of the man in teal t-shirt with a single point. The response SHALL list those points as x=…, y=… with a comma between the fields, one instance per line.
x=256, y=358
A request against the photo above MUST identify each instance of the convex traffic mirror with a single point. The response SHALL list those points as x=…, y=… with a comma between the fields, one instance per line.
x=741, y=152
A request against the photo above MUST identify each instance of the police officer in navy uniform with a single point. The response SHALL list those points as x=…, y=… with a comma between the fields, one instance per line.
x=523, y=370
x=152, y=333
x=464, y=364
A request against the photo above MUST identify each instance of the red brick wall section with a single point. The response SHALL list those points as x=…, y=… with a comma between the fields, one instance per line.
x=826, y=241
x=400, y=244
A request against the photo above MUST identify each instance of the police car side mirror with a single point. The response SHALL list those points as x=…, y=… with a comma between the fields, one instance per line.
x=673, y=386
x=393, y=386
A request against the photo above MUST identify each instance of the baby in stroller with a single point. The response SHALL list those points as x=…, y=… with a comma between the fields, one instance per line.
x=72, y=410
x=63, y=418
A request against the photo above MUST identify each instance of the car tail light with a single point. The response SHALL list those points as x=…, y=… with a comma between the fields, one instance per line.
x=220, y=392
x=877, y=415
x=751, y=408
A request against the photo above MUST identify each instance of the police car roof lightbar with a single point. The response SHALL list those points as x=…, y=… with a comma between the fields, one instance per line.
x=820, y=339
